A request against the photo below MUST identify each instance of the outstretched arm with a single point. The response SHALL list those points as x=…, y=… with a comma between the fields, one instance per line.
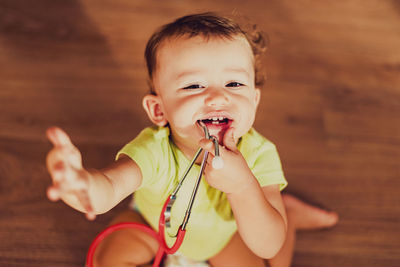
x=89, y=191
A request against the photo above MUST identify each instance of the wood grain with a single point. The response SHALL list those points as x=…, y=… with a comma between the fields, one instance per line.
x=331, y=104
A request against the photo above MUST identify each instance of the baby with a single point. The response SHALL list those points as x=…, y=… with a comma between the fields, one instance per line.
x=202, y=68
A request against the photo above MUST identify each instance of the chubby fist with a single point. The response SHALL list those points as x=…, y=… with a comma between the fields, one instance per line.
x=232, y=174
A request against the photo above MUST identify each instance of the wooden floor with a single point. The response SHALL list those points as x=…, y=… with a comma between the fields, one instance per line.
x=331, y=105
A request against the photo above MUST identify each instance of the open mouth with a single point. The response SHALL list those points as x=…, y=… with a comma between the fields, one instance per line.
x=217, y=126
x=217, y=123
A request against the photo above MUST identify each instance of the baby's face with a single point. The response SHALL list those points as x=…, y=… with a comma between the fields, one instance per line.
x=211, y=81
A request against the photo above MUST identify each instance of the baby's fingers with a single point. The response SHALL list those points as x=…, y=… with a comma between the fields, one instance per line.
x=61, y=141
x=56, y=163
x=56, y=169
x=84, y=198
x=58, y=137
x=53, y=193
x=65, y=181
x=207, y=145
x=59, y=159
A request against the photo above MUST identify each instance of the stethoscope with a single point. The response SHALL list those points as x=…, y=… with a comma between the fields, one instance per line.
x=165, y=216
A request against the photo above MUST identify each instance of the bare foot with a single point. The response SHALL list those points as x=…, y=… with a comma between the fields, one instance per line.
x=305, y=216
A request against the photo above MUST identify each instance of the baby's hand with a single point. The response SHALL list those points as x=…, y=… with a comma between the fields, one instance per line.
x=235, y=175
x=70, y=179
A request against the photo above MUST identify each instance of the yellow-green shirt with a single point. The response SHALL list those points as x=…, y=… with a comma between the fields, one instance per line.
x=211, y=223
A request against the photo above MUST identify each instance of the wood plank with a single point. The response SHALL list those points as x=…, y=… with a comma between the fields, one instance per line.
x=331, y=104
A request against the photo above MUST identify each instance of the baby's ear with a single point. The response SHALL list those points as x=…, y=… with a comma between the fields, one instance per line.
x=153, y=107
x=257, y=96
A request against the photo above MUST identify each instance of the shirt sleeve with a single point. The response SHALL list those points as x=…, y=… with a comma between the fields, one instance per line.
x=267, y=167
x=263, y=159
x=141, y=150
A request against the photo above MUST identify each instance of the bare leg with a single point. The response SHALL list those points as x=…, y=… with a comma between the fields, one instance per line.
x=285, y=255
x=129, y=247
x=236, y=254
x=307, y=217
x=301, y=216
x=126, y=247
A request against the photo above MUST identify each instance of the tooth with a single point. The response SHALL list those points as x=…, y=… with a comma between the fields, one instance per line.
x=215, y=122
x=221, y=118
x=215, y=118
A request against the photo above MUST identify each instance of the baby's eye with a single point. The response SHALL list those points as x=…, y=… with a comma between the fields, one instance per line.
x=234, y=84
x=193, y=86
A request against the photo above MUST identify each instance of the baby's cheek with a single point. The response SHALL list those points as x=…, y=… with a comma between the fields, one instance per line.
x=185, y=110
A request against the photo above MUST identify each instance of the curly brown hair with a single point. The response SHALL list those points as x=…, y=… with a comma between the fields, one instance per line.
x=206, y=25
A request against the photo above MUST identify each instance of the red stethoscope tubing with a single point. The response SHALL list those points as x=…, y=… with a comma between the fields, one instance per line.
x=160, y=237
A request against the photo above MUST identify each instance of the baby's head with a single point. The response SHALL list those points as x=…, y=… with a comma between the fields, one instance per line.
x=203, y=67
x=206, y=25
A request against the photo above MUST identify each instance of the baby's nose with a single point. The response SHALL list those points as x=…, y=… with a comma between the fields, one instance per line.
x=216, y=97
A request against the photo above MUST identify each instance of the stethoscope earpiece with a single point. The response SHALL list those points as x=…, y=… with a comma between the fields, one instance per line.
x=217, y=163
